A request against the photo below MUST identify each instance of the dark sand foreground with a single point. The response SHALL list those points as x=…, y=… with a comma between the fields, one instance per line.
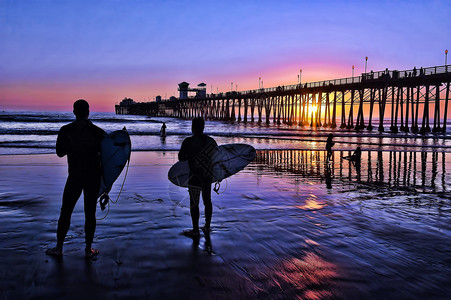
x=275, y=236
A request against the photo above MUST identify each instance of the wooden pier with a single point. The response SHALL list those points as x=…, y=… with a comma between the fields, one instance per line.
x=413, y=100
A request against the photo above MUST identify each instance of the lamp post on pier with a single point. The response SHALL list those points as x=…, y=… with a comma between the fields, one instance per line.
x=352, y=73
x=259, y=84
x=231, y=86
x=446, y=56
x=366, y=60
x=300, y=75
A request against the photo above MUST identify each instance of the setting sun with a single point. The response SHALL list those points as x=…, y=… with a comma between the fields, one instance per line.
x=313, y=109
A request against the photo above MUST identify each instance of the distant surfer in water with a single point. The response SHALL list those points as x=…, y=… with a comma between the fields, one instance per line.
x=80, y=141
x=163, y=130
x=329, y=145
x=199, y=149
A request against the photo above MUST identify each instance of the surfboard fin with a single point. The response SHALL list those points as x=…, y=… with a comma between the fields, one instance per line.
x=104, y=199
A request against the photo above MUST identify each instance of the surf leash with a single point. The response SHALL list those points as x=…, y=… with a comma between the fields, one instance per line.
x=218, y=186
x=123, y=181
x=105, y=198
x=107, y=212
x=126, y=171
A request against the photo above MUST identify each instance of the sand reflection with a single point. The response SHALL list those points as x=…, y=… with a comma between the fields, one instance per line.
x=312, y=203
x=308, y=277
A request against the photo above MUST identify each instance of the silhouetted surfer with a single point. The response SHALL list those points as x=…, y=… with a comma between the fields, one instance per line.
x=80, y=141
x=163, y=130
x=199, y=149
x=329, y=145
x=356, y=156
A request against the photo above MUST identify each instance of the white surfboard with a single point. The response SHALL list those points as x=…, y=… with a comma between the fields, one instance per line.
x=228, y=160
x=115, y=152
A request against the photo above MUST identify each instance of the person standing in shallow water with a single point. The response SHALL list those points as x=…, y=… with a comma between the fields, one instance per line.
x=329, y=145
x=199, y=150
x=80, y=141
x=356, y=157
x=163, y=130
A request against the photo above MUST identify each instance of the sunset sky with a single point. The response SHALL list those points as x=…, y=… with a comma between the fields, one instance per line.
x=53, y=52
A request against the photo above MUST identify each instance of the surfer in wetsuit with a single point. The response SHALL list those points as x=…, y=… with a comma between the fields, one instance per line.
x=163, y=130
x=199, y=149
x=356, y=156
x=329, y=145
x=80, y=141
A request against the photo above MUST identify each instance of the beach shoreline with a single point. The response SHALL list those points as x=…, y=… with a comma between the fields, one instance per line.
x=276, y=235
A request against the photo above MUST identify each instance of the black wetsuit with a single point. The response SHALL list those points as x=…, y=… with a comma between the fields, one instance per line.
x=80, y=141
x=199, y=150
x=329, y=145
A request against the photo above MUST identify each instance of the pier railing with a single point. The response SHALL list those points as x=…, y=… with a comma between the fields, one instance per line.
x=368, y=77
x=365, y=77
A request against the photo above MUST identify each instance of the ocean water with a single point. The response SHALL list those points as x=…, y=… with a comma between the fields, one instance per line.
x=35, y=132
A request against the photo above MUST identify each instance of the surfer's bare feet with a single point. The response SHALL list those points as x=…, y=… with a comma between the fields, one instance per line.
x=57, y=251
x=91, y=253
x=206, y=229
x=191, y=233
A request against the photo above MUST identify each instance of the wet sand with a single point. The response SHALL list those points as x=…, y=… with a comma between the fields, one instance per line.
x=278, y=233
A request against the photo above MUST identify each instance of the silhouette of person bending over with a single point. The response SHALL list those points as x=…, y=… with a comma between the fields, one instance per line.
x=199, y=149
x=80, y=141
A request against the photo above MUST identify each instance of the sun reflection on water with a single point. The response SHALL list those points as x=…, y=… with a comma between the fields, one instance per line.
x=312, y=203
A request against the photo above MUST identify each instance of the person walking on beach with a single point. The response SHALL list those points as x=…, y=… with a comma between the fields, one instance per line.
x=329, y=145
x=80, y=141
x=199, y=150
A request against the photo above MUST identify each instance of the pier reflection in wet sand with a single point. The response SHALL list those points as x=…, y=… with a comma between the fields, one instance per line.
x=414, y=171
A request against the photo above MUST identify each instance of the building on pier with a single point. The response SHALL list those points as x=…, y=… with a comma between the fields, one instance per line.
x=201, y=90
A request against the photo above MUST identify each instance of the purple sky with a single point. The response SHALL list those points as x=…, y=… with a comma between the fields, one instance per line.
x=54, y=52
